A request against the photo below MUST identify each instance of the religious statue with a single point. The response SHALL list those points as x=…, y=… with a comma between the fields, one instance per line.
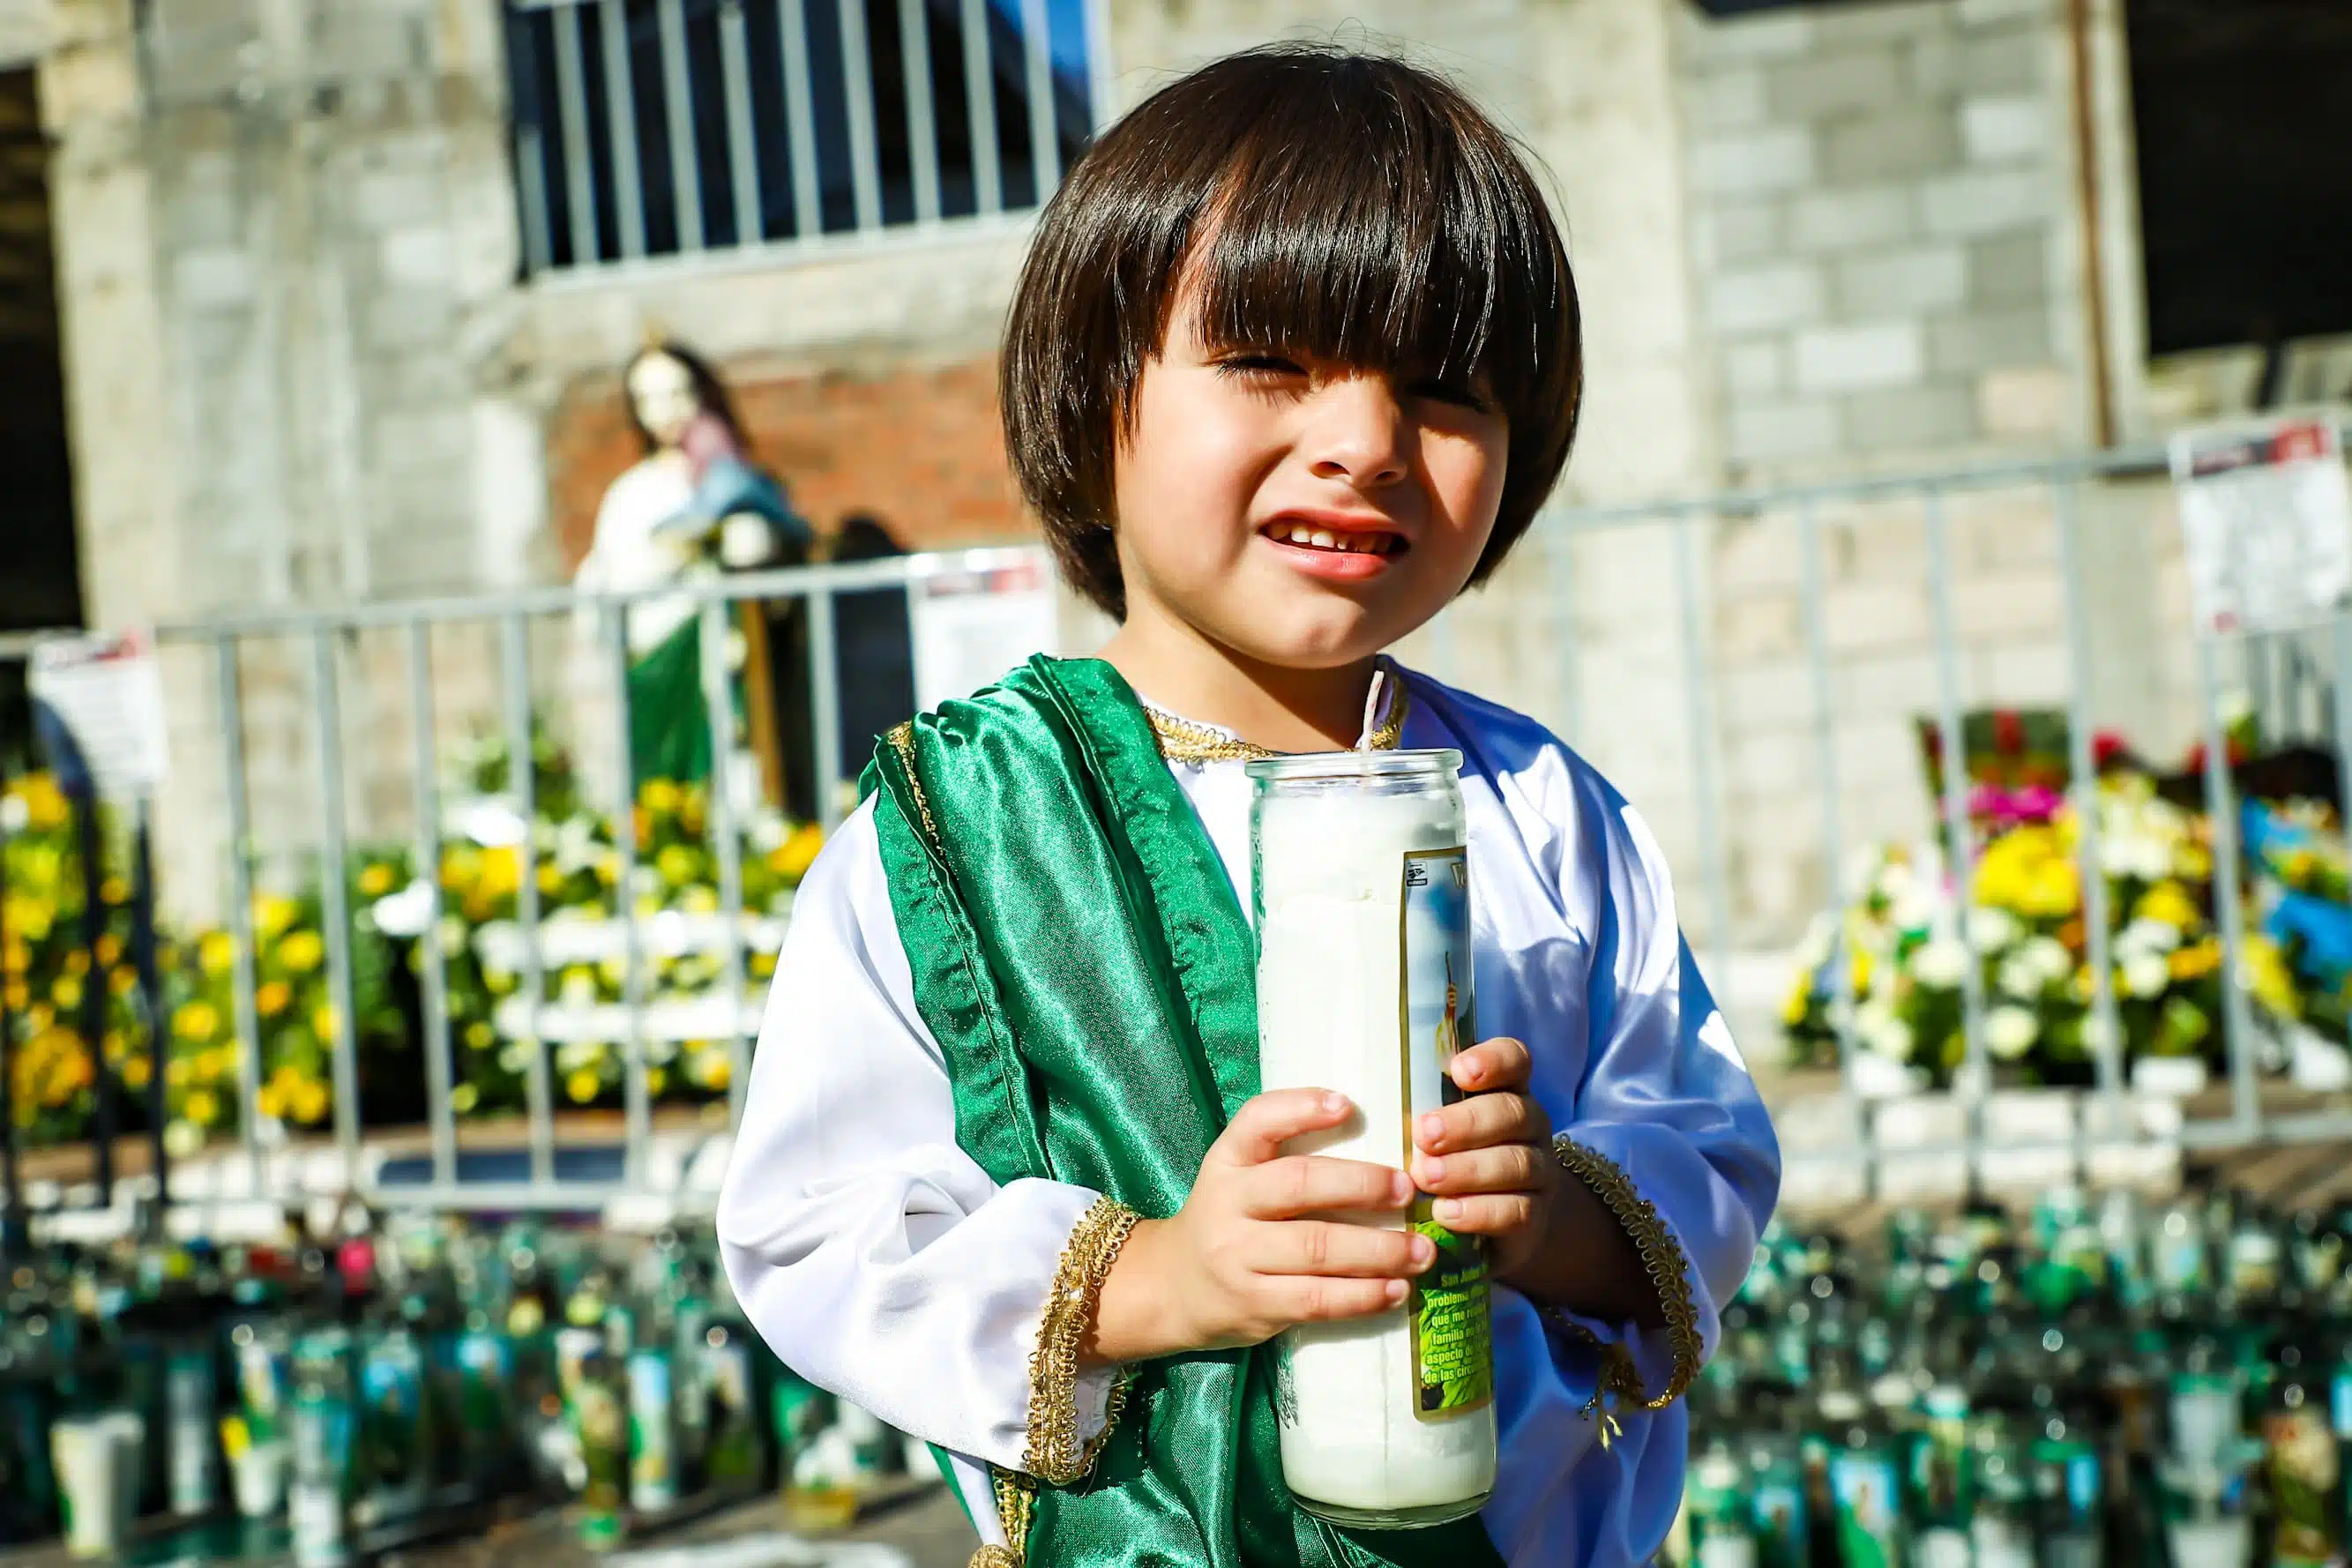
x=692, y=506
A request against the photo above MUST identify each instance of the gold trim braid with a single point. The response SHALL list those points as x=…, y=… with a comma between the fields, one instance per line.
x=1056, y=1455
x=1183, y=740
x=902, y=741
x=1669, y=1270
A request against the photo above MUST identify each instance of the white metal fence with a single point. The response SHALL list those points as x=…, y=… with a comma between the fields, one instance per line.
x=647, y=128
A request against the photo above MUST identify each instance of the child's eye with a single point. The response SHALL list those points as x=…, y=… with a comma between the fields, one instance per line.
x=1459, y=393
x=1259, y=365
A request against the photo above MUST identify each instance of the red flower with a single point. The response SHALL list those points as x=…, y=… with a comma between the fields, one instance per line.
x=2008, y=733
x=2106, y=747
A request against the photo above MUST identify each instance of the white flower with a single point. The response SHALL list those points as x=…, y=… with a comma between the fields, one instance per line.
x=1885, y=1033
x=182, y=1140
x=1991, y=929
x=576, y=848
x=571, y=1055
x=1917, y=910
x=766, y=832
x=2147, y=936
x=1940, y=964
x=492, y=823
x=2050, y=956
x=2137, y=854
x=2010, y=1032
x=2146, y=975
x=1895, y=880
x=15, y=813
x=407, y=913
x=2020, y=974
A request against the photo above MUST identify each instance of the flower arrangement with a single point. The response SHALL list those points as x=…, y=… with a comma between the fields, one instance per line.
x=48, y=970
x=1909, y=946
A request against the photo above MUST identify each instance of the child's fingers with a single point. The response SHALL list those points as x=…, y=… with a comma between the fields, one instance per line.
x=1312, y=1184
x=1481, y=1122
x=1498, y=1063
x=1492, y=1214
x=1319, y=1299
x=1506, y=1168
x=1260, y=1129
x=1341, y=1251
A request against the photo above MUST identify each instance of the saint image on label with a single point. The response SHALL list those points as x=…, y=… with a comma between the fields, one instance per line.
x=1451, y=1337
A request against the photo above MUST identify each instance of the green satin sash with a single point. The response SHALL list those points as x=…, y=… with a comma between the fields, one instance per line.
x=1081, y=956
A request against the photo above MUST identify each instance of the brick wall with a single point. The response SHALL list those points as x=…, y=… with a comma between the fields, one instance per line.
x=917, y=446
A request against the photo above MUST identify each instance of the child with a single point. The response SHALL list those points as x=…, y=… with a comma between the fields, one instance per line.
x=1294, y=361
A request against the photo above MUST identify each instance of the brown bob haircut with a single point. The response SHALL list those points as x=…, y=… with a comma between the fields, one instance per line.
x=1349, y=208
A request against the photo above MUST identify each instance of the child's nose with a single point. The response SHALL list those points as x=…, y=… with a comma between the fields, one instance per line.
x=1355, y=432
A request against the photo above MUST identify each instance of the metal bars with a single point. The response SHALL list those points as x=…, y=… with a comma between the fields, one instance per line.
x=433, y=960
x=700, y=119
x=1949, y=655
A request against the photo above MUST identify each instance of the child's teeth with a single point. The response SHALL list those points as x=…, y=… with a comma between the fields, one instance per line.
x=1322, y=539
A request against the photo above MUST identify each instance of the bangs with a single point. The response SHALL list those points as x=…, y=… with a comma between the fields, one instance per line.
x=1351, y=208
x=1355, y=228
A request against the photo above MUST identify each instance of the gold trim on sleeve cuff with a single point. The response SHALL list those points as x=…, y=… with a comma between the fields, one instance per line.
x=1669, y=1269
x=1056, y=1455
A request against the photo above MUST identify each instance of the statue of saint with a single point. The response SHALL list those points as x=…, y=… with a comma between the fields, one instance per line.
x=692, y=506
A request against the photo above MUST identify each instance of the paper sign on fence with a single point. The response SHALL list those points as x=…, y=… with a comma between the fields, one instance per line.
x=107, y=693
x=970, y=627
x=2266, y=517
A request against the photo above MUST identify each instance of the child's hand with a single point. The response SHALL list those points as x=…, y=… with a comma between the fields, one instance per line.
x=1489, y=1159
x=1244, y=1261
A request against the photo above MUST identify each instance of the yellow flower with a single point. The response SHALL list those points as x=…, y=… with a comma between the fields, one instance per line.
x=2263, y=969
x=550, y=880
x=655, y=1078
x=77, y=963
x=712, y=1069
x=114, y=891
x=44, y=803
x=608, y=867
x=16, y=957
x=110, y=948
x=463, y=1098
x=40, y=1017
x=501, y=871
x=700, y=900
x=216, y=952
x=66, y=992
x=20, y=996
x=678, y=864
x=324, y=1020
x=311, y=1101
x=795, y=854
x=202, y=1108
x=2170, y=903
x=480, y=1036
x=376, y=880
x=272, y=1102
x=272, y=914
x=301, y=950
x=2196, y=961
x=581, y=1085
x=764, y=963
x=195, y=1021
x=659, y=795
x=122, y=981
x=136, y=1073
x=273, y=999
x=176, y=1071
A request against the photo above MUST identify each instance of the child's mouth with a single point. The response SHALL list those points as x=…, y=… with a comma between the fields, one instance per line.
x=1333, y=541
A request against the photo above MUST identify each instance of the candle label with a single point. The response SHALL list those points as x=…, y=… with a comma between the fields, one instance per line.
x=1452, y=1345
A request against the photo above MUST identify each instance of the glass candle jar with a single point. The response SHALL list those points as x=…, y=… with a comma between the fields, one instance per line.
x=1362, y=907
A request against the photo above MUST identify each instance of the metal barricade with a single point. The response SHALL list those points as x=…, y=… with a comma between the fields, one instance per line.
x=2301, y=680
x=2297, y=682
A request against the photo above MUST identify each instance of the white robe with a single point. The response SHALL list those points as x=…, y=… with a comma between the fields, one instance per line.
x=883, y=1264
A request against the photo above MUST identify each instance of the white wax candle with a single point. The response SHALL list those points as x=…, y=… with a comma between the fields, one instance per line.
x=1330, y=870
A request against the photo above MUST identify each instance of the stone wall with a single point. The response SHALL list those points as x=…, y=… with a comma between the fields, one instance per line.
x=1881, y=226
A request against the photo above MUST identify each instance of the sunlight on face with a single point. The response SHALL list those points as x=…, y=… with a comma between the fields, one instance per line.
x=1302, y=515
x=662, y=392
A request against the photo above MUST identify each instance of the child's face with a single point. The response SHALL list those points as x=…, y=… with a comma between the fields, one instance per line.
x=1303, y=515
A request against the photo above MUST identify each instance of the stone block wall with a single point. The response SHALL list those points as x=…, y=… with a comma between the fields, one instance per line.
x=1880, y=229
